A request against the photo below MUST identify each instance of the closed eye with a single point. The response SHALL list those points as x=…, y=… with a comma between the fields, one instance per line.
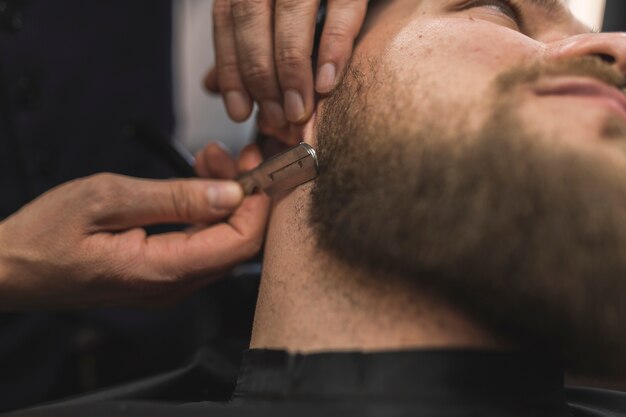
x=504, y=7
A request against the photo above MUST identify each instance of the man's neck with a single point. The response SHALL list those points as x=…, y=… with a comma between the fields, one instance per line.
x=311, y=302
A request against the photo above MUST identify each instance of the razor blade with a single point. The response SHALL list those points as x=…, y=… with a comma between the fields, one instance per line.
x=282, y=172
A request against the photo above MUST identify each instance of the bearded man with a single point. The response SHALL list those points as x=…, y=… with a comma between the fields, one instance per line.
x=465, y=241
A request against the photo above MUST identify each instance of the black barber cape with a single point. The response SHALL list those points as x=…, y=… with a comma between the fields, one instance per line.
x=412, y=383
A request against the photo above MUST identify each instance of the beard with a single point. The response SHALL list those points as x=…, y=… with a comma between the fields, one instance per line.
x=523, y=233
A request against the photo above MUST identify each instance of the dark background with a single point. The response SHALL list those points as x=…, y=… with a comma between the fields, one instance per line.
x=615, y=16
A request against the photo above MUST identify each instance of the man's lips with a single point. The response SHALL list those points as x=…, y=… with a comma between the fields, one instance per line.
x=585, y=88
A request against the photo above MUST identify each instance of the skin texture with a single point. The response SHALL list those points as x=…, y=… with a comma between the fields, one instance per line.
x=411, y=143
x=55, y=253
x=263, y=54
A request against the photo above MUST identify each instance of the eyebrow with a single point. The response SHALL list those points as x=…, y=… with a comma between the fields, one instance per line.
x=556, y=8
x=552, y=7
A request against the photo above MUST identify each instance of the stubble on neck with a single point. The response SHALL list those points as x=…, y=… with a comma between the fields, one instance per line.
x=311, y=301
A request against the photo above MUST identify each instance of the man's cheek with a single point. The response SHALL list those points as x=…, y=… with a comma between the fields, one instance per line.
x=450, y=64
x=472, y=51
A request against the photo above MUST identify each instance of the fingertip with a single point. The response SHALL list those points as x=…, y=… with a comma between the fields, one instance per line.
x=238, y=105
x=295, y=109
x=218, y=149
x=342, y=26
x=250, y=158
x=224, y=195
x=326, y=79
x=333, y=58
x=220, y=161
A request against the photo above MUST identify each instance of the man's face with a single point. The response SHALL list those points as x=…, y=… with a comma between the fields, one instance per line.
x=478, y=148
x=446, y=55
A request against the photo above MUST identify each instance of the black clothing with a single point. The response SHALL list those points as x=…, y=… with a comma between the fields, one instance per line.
x=77, y=79
x=72, y=78
x=413, y=383
x=469, y=380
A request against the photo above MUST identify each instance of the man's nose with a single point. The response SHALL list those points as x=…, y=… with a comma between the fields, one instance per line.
x=610, y=47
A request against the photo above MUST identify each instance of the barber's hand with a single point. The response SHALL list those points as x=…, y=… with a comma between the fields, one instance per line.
x=82, y=244
x=263, y=54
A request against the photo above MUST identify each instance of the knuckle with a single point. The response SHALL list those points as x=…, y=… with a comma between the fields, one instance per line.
x=251, y=246
x=221, y=14
x=226, y=66
x=351, y=3
x=101, y=191
x=338, y=32
x=181, y=201
x=228, y=74
x=354, y=9
x=290, y=7
x=292, y=58
x=257, y=71
x=248, y=12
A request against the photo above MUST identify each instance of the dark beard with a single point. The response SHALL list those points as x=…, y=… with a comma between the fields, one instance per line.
x=526, y=236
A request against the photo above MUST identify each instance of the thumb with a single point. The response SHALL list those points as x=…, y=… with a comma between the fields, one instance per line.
x=144, y=202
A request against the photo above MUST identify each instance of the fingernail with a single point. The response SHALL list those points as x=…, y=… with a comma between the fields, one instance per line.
x=326, y=78
x=225, y=194
x=237, y=105
x=274, y=114
x=294, y=106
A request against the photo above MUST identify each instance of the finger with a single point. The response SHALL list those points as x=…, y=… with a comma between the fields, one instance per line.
x=121, y=203
x=216, y=161
x=249, y=158
x=201, y=167
x=236, y=99
x=283, y=134
x=344, y=19
x=212, y=250
x=296, y=133
x=211, y=81
x=294, y=34
x=255, y=45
